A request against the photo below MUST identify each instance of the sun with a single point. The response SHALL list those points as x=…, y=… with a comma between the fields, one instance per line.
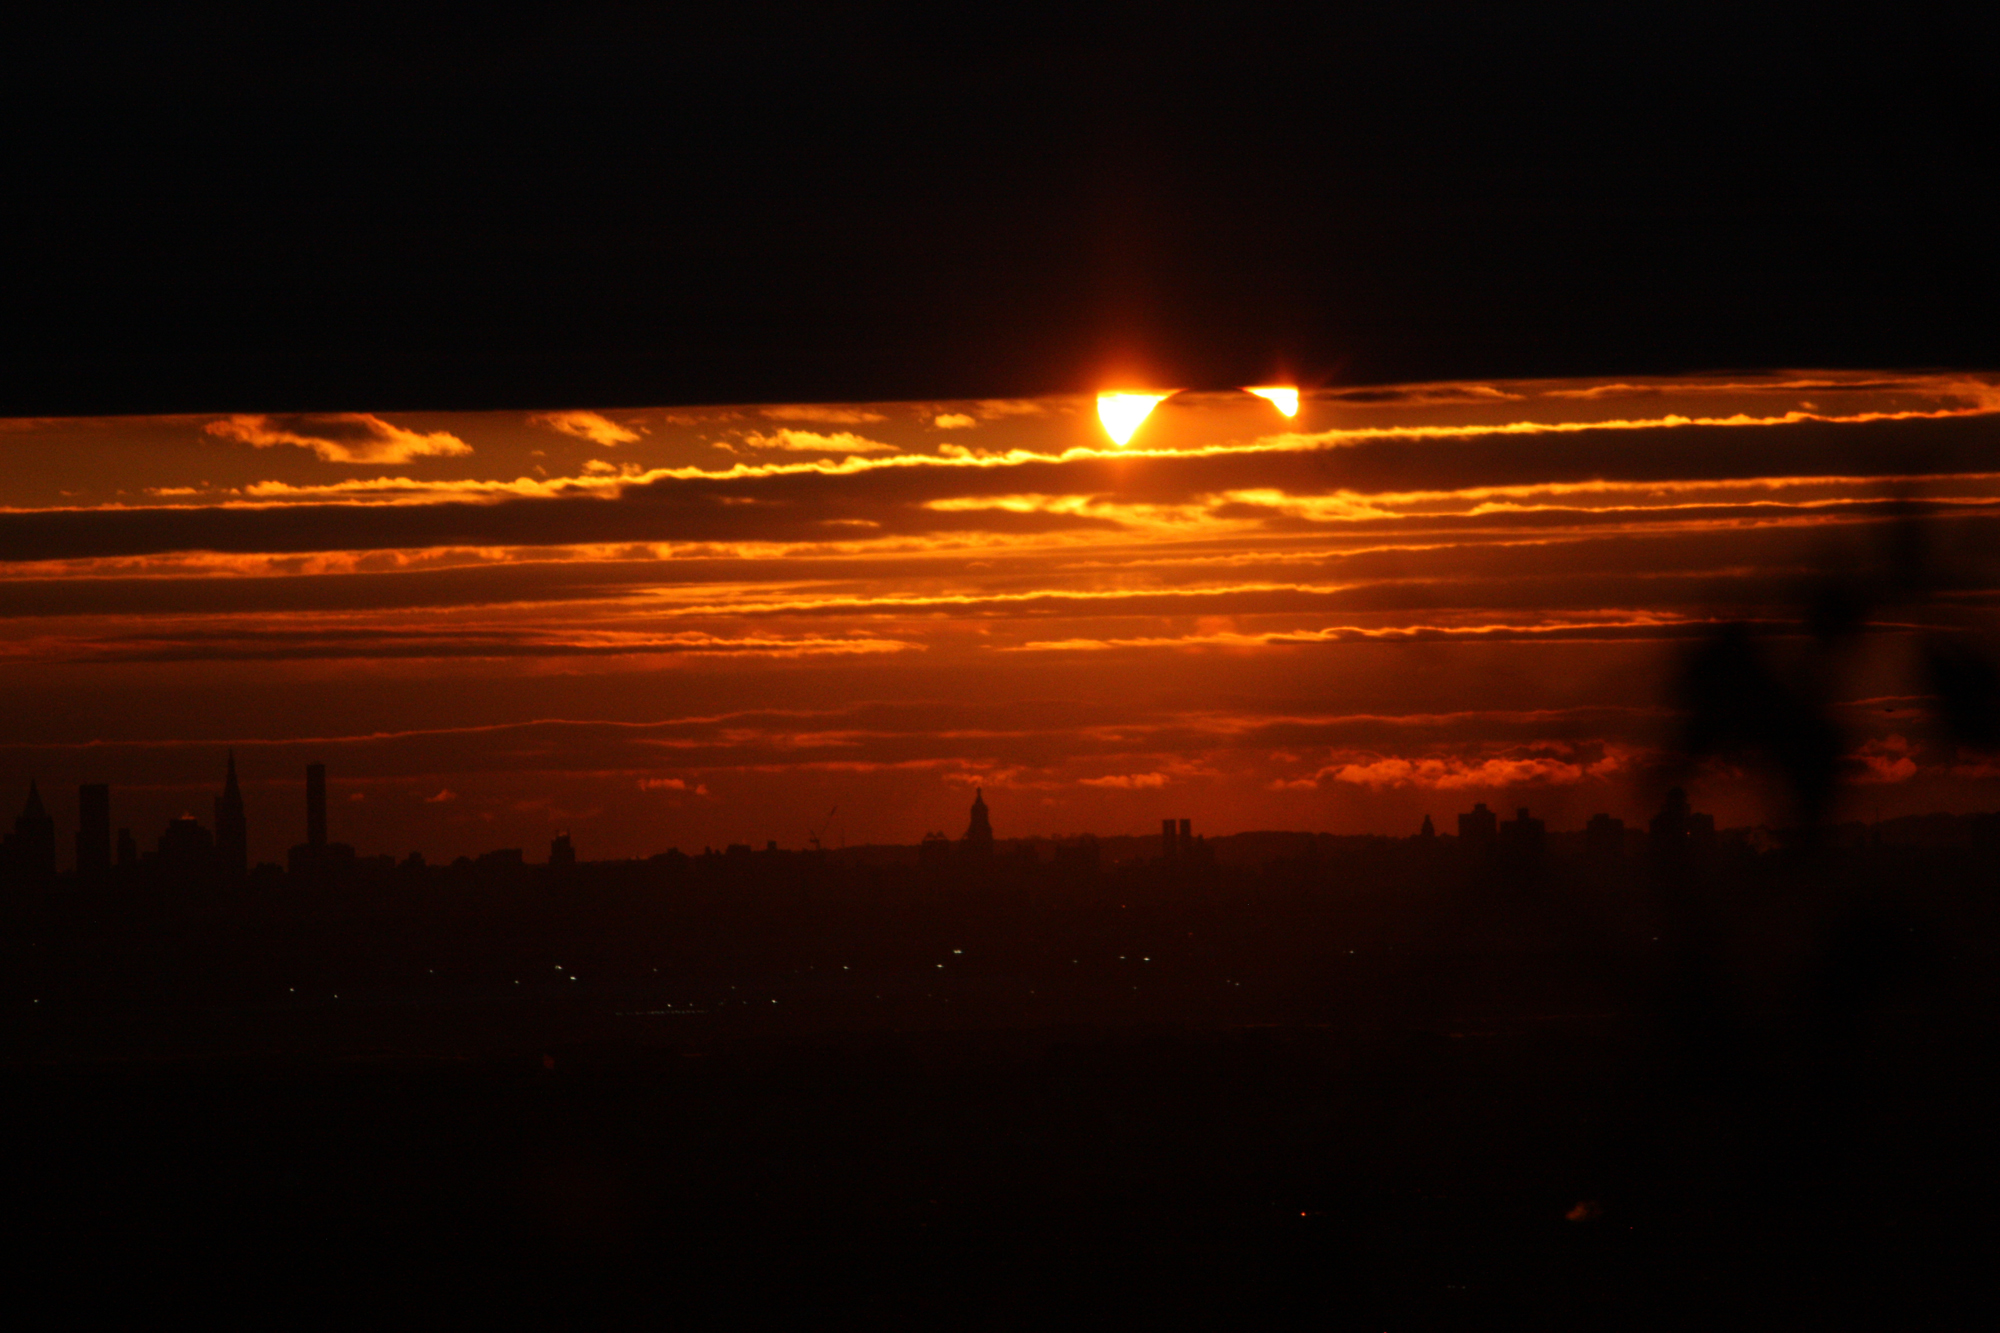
x=1122, y=413
x=1286, y=400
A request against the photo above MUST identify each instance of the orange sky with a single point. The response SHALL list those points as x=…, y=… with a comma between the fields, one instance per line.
x=701, y=625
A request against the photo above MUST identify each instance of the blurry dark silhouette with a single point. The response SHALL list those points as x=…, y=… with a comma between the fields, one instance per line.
x=1771, y=699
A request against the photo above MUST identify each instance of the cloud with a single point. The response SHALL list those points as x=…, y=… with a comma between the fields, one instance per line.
x=672, y=784
x=1398, y=560
x=1886, y=760
x=341, y=437
x=1455, y=773
x=419, y=643
x=1127, y=781
x=805, y=441
x=444, y=794
x=826, y=414
x=587, y=426
x=952, y=421
x=992, y=409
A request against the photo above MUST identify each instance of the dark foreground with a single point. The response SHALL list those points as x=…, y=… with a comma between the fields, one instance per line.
x=1007, y=1178
x=1750, y=1097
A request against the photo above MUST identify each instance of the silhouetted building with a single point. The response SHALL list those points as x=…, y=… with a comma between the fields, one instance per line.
x=316, y=806
x=934, y=850
x=1523, y=837
x=1677, y=831
x=1428, y=831
x=316, y=858
x=978, y=840
x=93, y=830
x=1078, y=855
x=185, y=851
x=562, y=856
x=128, y=848
x=30, y=850
x=1167, y=839
x=1478, y=827
x=1604, y=838
x=232, y=837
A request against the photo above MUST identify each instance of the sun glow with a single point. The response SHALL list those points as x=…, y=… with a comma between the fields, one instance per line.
x=1122, y=413
x=1285, y=400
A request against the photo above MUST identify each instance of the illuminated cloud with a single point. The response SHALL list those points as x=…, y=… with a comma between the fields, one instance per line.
x=589, y=426
x=952, y=421
x=1286, y=400
x=341, y=437
x=811, y=442
x=1886, y=760
x=1127, y=781
x=995, y=409
x=824, y=413
x=1456, y=773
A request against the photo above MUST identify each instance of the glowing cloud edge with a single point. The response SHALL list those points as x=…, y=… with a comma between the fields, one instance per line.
x=1282, y=397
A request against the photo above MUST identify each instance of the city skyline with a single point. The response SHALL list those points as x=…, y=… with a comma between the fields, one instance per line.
x=192, y=851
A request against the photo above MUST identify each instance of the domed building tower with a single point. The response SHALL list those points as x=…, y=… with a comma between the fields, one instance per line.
x=978, y=840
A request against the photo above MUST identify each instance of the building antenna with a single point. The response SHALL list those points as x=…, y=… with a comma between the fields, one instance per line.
x=812, y=834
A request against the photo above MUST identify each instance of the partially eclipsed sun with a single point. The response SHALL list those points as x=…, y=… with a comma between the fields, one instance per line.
x=1285, y=400
x=1122, y=413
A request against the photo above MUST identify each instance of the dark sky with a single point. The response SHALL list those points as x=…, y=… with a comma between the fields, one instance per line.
x=268, y=209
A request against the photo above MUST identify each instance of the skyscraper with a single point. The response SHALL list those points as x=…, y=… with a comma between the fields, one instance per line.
x=232, y=839
x=93, y=830
x=1478, y=827
x=31, y=847
x=979, y=833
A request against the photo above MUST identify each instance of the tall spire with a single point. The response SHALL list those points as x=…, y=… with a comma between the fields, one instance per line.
x=232, y=838
x=34, y=809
